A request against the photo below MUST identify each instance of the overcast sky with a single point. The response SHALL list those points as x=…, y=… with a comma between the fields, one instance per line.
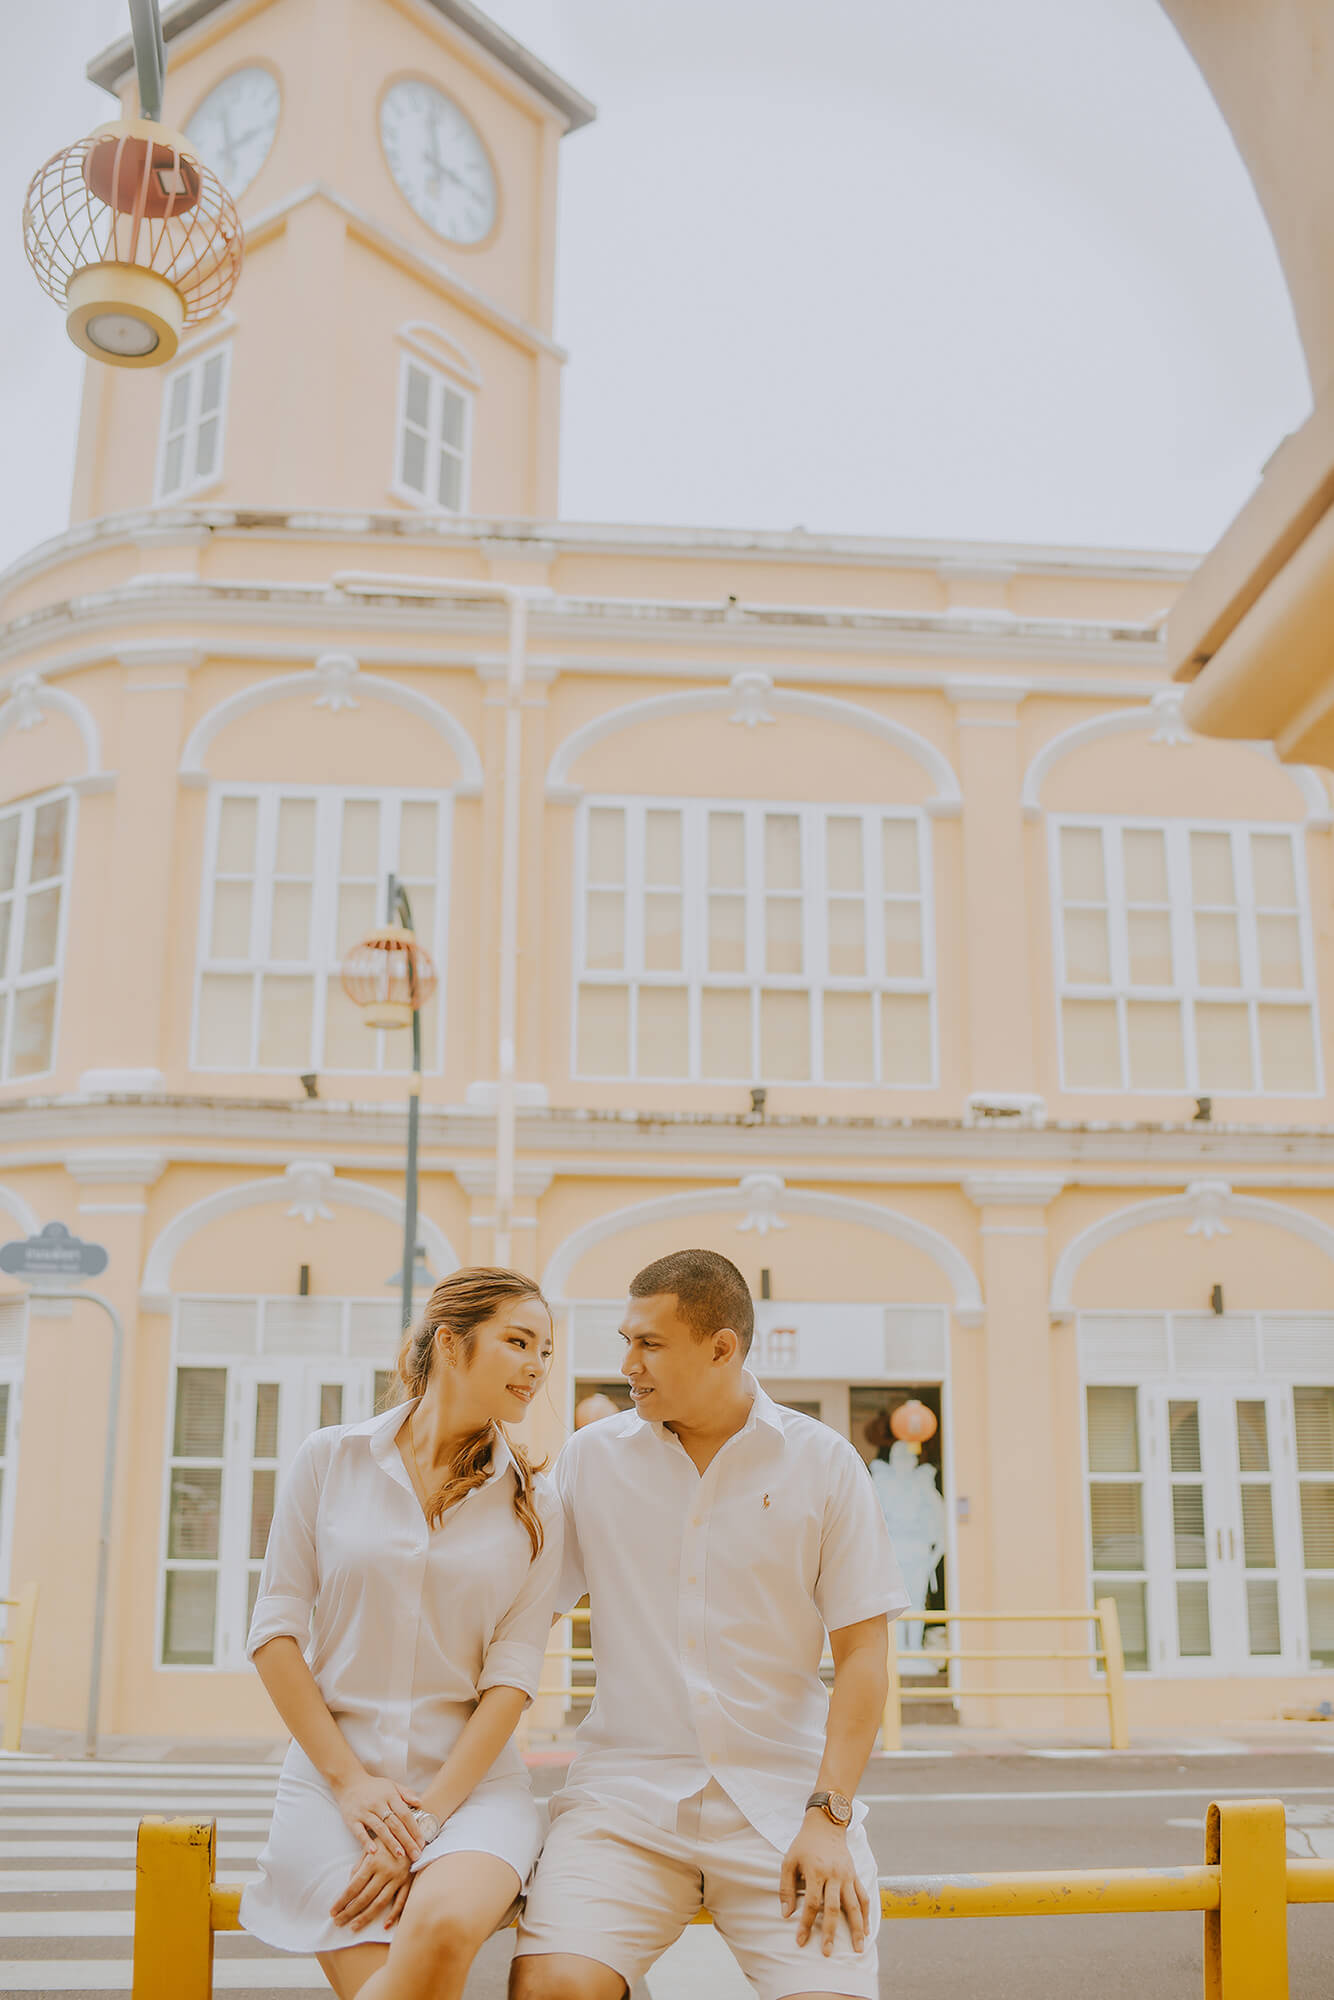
x=980, y=269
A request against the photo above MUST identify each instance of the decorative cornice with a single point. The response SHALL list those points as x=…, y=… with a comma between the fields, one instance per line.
x=167, y=654
x=479, y=1179
x=1012, y=1190
x=130, y=1168
x=113, y=65
x=961, y=688
x=644, y=1143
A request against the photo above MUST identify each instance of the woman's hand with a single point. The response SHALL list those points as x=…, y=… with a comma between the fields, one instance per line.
x=379, y=1812
x=377, y=1890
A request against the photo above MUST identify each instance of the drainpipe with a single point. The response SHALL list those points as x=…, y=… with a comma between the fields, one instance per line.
x=506, y=1108
x=515, y=598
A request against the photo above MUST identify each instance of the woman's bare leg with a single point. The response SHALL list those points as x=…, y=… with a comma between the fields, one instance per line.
x=453, y=1907
x=347, y=1971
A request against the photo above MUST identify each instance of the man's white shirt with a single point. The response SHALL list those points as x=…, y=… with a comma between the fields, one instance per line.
x=711, y=1595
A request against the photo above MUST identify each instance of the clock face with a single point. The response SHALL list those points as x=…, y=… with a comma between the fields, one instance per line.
x=438, y=160
x=234, y=126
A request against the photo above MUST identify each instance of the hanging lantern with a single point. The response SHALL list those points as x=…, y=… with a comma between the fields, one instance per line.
x=135, y=237
x=913, y=1424
x=390, y=976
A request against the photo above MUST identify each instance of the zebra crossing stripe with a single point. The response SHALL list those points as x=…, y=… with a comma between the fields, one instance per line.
x=89, y=1977
x=66, y=1924
x=195, y=1805
x=229, y=1851
x=111, y=1767
x=125, y=1823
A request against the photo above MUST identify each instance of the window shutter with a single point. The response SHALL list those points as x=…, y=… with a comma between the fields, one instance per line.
x=1113, y=1428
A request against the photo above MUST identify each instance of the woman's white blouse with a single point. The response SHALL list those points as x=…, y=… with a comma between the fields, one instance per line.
x=405, y=1627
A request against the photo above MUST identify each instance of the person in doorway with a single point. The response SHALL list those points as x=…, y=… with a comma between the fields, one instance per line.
x=719, y=1537
x=401, y=1621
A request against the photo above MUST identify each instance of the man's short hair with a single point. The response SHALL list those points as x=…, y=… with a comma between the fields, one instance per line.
x=710, y=1292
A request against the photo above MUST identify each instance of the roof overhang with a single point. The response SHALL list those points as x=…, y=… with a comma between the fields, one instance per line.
x=1253, y=630
x=115, y=63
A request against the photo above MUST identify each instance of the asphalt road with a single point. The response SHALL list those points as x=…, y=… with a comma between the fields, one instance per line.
x=67, y=1834
x=955, y=1814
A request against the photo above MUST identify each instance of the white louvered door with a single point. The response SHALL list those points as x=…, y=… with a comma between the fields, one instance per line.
x=1223, y=1547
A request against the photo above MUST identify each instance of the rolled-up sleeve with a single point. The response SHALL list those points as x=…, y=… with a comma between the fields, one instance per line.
x=290, y=1576
x=859, y=1572
x=518, y=1644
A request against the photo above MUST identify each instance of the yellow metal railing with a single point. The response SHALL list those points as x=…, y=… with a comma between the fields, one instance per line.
x=1243, y=1890
x=16, y=1658
x=1108, y=1653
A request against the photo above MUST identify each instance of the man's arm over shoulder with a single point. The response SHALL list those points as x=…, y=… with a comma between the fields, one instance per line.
x=565, y=1479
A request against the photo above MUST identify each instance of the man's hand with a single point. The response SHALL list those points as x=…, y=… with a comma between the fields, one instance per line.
x=818, y=1873
x=378, y=1889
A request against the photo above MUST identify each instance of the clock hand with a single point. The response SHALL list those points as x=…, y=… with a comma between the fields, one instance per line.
x=448, y=172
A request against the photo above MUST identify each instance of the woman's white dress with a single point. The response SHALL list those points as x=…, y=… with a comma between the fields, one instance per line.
x=404, y=1629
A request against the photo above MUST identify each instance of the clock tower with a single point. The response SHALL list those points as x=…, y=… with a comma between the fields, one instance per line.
x=390, y=344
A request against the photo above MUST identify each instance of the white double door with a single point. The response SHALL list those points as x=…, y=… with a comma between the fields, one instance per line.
x=272, y=1407
x=1223, y=1528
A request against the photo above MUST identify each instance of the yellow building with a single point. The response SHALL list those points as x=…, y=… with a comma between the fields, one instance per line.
x=911, y=838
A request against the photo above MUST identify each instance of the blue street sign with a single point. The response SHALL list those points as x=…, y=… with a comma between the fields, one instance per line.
x=53, y=1253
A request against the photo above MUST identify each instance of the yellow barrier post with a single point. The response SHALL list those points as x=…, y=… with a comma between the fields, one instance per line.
x=1246, y=1937
x=19, y=1625
x=891, y=1724
x=1114, y=1667
x=173, y=1910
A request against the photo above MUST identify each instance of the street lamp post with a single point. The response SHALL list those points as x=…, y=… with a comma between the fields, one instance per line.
x=391, y=978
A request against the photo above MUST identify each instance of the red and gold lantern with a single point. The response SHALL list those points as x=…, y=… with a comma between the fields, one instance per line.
x=390, y=976
x=913, y=1424
x=136, y=237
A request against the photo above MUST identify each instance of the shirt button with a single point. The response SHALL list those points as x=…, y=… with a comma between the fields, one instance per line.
x=698, y=1522
x=690, y=1579
x=690, y=1645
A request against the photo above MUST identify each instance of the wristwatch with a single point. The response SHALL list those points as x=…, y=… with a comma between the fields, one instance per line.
x=427, y=1825
x=833, y=1805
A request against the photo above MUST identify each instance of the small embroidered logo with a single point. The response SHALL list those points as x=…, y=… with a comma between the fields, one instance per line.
x=766, y=1499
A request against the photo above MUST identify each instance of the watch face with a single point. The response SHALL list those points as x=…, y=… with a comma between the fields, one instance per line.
x=438, y=160
x=234, y=126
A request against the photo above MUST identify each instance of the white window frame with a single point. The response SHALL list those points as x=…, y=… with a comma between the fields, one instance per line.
x=12, y=982
x=440, y=383
x=300, y=1376
x=1186, y=990
x=1177, y=1380
x=814, y=980
x=323, y=963
x=192, y=481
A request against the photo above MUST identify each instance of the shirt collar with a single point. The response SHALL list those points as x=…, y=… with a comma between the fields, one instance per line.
x=382, y=1432
x=763, y=1410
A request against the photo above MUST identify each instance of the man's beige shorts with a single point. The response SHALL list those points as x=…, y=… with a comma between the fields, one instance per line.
x=618, y=1890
